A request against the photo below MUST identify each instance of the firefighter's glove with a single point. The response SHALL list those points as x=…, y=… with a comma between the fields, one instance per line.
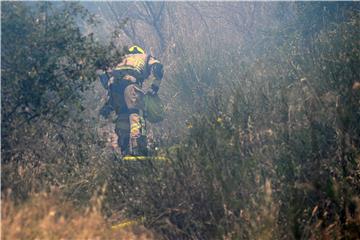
x=106, y=110
x=154, y=89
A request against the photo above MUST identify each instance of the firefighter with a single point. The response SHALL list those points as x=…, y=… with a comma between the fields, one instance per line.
x=124, y=84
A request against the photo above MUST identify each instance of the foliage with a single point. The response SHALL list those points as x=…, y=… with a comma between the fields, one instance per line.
x=48, y=66
x=274, y=157
x=47, y=216
x=271, y=149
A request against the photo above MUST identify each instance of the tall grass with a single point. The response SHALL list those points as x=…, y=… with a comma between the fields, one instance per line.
x=50, y=216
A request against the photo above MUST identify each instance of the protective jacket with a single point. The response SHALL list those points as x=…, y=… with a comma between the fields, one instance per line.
x=133, y=69
x=140, y=67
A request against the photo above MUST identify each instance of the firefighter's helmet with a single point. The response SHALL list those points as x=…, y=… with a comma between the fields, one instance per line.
x=136, y=49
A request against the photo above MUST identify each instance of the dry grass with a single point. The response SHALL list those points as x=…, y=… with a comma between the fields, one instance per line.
x=46, y=216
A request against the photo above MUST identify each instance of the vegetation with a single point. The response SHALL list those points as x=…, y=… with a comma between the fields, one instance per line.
x=270, y=148
x=47, y=66
x=49, y=217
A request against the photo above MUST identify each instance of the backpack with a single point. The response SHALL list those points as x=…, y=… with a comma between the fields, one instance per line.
x=154, y=108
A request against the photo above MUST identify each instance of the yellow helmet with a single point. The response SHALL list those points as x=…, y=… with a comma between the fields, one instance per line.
x=136, y=49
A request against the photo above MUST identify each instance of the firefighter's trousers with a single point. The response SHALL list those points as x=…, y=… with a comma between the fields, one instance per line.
x=130, y=126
